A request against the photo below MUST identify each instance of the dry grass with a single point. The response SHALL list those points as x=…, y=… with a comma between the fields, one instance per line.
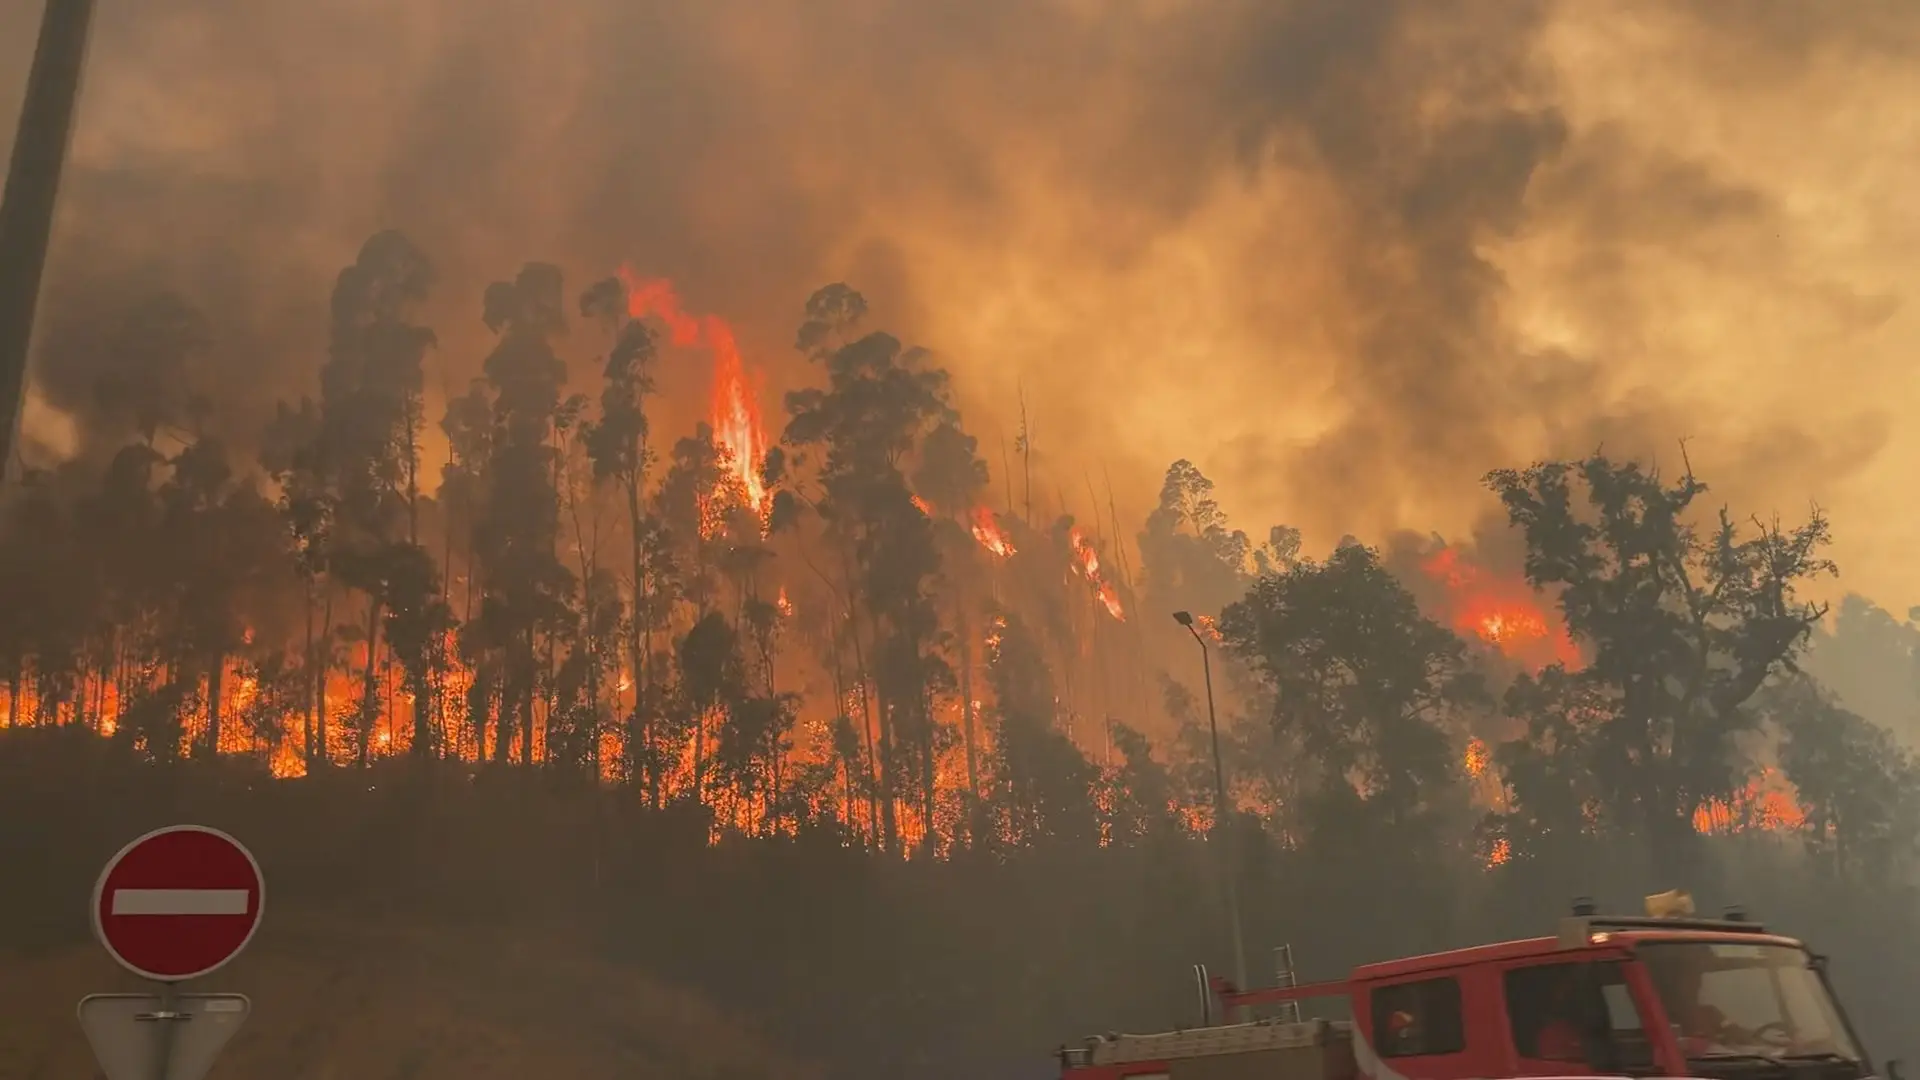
x=339, y=1002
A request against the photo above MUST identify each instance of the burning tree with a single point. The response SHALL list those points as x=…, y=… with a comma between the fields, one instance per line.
x=1683, y=626
x=880, y=400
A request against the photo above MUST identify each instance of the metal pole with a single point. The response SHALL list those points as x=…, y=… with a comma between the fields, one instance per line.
x=167, y=1016
x=33, y=183
x=1223, y=822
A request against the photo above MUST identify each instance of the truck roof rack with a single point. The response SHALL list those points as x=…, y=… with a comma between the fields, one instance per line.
x=1575, y=930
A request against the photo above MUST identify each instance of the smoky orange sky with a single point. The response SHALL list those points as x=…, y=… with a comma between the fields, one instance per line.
x=1346, y=255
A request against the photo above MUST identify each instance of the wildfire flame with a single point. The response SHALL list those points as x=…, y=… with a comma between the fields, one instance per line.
x=1504, y=613
x=1768, y=803
x=737, y=430
x=1477, y=758
x=785, y=605
x=1086, y=563
x=987, y=530
x=920, y=504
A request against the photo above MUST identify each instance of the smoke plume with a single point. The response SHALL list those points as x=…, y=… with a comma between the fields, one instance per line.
x=1345, y=256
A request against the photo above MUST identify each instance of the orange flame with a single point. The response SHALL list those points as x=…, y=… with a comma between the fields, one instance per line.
x=737, y=430
x=736, y=417
x=1504, y=613
x=987, y=530
x=1769, y=803
x=920, y=504
x=1086, y=563
x=1477, y=758
x=785, y=605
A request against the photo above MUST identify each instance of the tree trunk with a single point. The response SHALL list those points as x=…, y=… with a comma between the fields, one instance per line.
x=700, y=756
x=323, y=752
x=528, y=688
x=929, y=770
x=846, y=783
x=879, y=795
x=967, y=718
x=883, y=795
x=369, y=683
x=306, y=737
x=639, y=722
x=423, y=702
x=216, y=680
x=773, y=793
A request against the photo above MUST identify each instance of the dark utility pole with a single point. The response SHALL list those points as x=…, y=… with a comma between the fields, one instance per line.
x=33, y=183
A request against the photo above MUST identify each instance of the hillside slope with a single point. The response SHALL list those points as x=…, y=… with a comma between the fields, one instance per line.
x=340, y=1002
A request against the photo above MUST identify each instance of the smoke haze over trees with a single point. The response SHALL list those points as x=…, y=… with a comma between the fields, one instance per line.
x=609, y=466
x=1100, y=205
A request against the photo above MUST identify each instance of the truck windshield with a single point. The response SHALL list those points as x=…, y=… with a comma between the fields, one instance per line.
x=1733, y=999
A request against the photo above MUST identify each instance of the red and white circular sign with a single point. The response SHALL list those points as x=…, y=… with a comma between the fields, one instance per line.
x=178, y=903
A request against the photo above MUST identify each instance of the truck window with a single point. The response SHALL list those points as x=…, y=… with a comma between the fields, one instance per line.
x=1747, y=1000
x=1544, y=1012
x=1417, y=1019
x=1555, y=1016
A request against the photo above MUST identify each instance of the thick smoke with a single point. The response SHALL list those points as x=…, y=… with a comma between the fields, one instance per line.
x=1346, y=256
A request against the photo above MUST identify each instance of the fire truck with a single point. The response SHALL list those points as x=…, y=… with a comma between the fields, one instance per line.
x=1666, y=994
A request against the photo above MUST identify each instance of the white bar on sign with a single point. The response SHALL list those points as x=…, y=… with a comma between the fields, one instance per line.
x=179, y=901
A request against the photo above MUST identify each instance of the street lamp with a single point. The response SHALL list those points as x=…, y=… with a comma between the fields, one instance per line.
x=33, y=181
x=1221, y=814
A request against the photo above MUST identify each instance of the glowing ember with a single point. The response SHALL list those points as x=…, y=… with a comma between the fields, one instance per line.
x=785, y=605
x=920, y=504
x=1504, y=613
x=987, y=530
x=737, y=431
x=1499, y=854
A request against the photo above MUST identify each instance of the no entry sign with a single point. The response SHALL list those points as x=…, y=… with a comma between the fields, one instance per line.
x=178, y=903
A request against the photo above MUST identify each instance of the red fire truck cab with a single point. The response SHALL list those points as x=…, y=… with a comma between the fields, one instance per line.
x=1607, y=996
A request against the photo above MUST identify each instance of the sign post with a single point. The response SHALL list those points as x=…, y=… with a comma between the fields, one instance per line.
x=175, y=904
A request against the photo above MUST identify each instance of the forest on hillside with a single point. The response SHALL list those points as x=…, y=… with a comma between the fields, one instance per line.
x=836, y=639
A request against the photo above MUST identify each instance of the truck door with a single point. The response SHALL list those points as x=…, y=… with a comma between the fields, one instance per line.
x=1575, y=1018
